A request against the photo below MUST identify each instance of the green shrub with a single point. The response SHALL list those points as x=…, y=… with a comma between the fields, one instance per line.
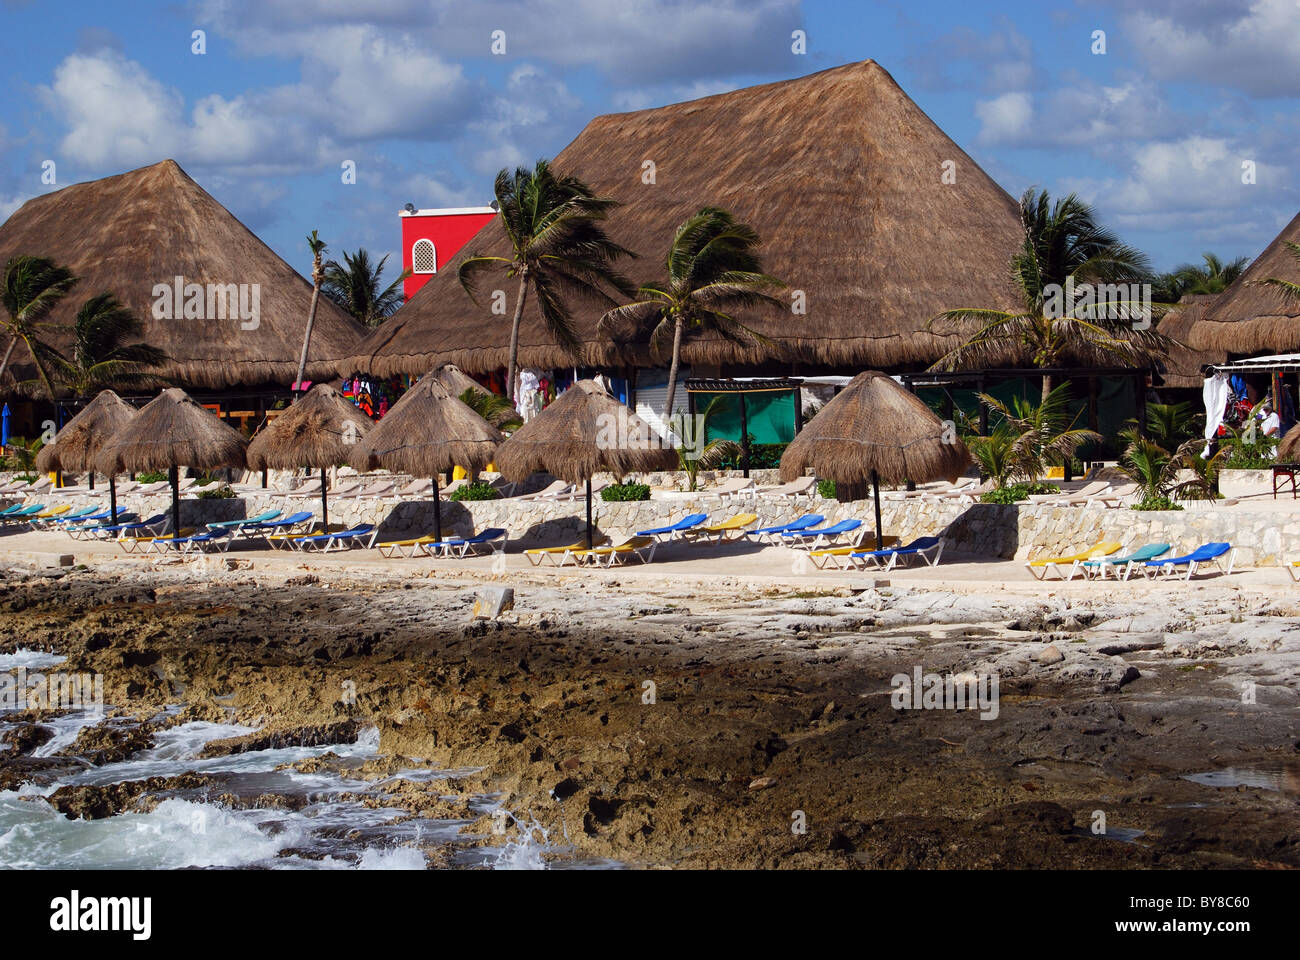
x=624, y=492
x=478, y=490
x=1018, y=491
x=218, y=492
x=826, y=489
x=762, y=456
x=1250, y=456
x=153, y=476
x=1156, y=503
x=25, y=478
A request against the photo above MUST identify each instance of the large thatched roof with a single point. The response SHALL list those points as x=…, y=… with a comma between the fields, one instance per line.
x=427, y=432
x=584, y=431
x=77, y=445
x=127, y=233
x=1183, y=362
x=840, y=173
x=172, y=430
x=1250, y=319
x=875, y=424
x=1288, y=450
x=321, y=429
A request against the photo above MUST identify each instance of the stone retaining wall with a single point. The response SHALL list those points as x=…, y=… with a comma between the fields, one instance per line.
x=1263, y=538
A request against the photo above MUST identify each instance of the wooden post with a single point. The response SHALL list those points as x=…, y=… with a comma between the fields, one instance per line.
x=588, y=513
x=875, y=493
x=437, y=511
x=324, y=503
x=174, y=474
x=744, y=437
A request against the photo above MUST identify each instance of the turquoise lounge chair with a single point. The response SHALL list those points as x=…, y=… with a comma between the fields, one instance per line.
x=262, y=517
x=24, y=514
x=1091, y=568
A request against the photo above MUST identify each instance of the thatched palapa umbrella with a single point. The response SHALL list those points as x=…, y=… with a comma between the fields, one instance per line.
x=875, y=428
x=583, y=432
x=1288, y=449
x=426, y=433
x=79, y=442
x=321, y=430
x=170, y=432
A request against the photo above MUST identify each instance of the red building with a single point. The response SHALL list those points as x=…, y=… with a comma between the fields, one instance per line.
x=430, y=238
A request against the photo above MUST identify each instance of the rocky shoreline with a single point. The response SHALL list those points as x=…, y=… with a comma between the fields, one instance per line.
x=718, y=725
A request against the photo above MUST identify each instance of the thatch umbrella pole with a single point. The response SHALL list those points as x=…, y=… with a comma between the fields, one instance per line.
x=588, y=511
x=324, y=504
x=875, y=493
x=112, y=500
x=174, y=475
x=437, y=510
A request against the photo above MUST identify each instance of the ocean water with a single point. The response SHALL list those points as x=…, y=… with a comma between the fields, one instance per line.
x=332, y=831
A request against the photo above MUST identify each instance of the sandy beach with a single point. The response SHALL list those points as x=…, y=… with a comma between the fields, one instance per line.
x=707, y=710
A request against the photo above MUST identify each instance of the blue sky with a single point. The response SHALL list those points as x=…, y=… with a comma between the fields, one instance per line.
x=1154, y=130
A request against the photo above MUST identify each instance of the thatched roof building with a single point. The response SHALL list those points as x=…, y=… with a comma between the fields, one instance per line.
x=842, y=175
x=1249, y=319
x=132, y=232
x=1183, y=363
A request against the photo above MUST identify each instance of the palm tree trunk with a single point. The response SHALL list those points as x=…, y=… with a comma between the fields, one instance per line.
x=672, y=370
x=513, y=362
x=306, y=337
x=4, y=364
x=40, y=369
x=1047, y=385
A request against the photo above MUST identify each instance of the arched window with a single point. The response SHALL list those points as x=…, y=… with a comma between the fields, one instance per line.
x=424, y=259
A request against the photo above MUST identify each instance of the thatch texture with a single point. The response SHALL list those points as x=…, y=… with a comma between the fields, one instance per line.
x=584, y=431
x=427, y=432
x=1250, y=319
x=321, y=429
x=1183, y=363
x=457, y=381
x=77, y=445
x=172, y=430
x=840, y=174
x=129, y=232
x=1288, y=449
x=875, y=424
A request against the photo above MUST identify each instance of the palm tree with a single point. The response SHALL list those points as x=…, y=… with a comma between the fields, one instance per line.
x=32, y=288
x=1063, y=241
x=1038, y=434
x=1211, y=276
x=99, y=357
x=493, y=408
x=1289, y=289
x=713, y=269
x=711, y=454
x=1150, y=465
x=357, y=287
x=558, y=247
x=317, y=247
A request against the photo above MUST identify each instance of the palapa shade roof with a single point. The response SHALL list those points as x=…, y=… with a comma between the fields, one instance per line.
x=1183, y=362
x=457, y=380
x=77, y=445
x=875, y=424
x=321, y=429
x=172, y=430
x=840, y=174
x=1248, y=319
x=584, y=431
x=1288, y=449
x=129, y=232
x=427, y=432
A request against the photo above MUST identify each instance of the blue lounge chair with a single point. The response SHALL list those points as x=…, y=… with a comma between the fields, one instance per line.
x=264, y=517
x=218, y=539
x=88, y=531
x=279, y=532
x=1207, y=553
x=773, y=534
x=324, y=542
x=494, y=538
x=810, y=538
x=671, y=531
x=929, y=549
x=1091, y=568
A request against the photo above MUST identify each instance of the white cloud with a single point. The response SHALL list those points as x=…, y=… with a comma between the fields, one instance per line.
x=1256, y=50
x=1006, y=118
x=532, y=106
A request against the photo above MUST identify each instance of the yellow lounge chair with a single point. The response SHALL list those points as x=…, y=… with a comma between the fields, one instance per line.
x=1294, y=569
x=643, y=548
x=53, y=512
x=405, y=548
x=721, y=531
x=144, y=542
x=1041, y=567
x=832, y=555
x=537, y=555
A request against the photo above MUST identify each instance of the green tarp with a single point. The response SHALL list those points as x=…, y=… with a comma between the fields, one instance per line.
x=769, y=414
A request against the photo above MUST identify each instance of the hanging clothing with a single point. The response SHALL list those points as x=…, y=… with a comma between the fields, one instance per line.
x=1215, y=395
